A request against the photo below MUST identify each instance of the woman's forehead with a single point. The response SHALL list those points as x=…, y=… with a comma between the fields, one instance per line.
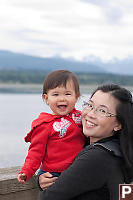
x=106, y=99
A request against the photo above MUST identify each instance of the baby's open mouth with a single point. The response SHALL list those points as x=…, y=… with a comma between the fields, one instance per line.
x=62, y=106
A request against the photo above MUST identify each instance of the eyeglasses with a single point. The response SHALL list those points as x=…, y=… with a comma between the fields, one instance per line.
x=99, y=111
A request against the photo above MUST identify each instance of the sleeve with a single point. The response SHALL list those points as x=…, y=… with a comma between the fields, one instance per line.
x=88, y=172
x=36, y=151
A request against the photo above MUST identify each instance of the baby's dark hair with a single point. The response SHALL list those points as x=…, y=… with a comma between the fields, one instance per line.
x=58, y=78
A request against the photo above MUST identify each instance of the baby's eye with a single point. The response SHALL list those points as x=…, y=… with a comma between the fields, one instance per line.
x=68, y=94
x=55, y=94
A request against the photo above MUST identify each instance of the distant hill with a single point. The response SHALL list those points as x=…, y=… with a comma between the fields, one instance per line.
x=20, y=68
x=17, y=61
x=124, y=66
x=92, y=64
x=115, y=66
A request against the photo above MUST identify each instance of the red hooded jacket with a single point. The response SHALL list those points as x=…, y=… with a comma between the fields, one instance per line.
x=55, y=142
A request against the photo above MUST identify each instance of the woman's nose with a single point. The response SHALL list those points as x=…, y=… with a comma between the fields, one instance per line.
x=91, y=113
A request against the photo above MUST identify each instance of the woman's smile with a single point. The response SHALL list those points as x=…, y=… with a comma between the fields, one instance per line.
x=90, y=124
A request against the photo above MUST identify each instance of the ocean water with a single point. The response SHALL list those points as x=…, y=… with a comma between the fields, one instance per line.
x=17, y=111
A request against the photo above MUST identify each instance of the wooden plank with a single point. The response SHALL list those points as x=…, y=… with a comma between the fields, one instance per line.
x=10, y=184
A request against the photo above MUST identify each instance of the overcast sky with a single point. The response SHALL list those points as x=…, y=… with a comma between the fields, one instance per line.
x=78, y=29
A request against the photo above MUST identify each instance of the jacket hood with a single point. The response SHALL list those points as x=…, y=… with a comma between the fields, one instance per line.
x=43, y=118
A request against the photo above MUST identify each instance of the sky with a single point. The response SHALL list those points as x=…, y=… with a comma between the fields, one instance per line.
x=75, y=29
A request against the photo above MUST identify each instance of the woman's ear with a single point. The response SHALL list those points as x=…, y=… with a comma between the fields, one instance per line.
x=45, y=97
x=118, y=127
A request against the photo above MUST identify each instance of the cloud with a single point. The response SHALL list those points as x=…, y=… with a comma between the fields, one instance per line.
x=114, y=11
x=72, y=28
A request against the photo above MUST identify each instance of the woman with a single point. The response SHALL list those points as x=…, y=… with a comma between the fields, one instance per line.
x=108, y=160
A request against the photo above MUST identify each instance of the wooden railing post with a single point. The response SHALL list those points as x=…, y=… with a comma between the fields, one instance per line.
x=11, y=189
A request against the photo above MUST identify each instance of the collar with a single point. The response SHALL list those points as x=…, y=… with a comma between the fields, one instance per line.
x=111, y=144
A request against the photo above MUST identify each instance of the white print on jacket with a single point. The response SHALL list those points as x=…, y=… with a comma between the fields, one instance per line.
x=76, y=119
x=61, y=126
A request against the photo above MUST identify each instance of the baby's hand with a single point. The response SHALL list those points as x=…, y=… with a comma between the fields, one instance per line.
x=22, y=178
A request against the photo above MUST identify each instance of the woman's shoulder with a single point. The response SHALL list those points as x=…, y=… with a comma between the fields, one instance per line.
x=91, y=152
x=102, y=150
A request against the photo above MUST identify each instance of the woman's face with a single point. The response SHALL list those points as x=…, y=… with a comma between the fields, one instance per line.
x=97, y=122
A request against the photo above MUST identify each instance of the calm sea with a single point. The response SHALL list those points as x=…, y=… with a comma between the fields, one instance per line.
x=17, y=111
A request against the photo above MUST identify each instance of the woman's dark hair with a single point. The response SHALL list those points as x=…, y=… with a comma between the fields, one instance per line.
x=58, y=78
x=124, y=115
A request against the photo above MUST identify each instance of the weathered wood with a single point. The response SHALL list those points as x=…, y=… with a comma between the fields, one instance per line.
x=23, y=195
x=11, y=189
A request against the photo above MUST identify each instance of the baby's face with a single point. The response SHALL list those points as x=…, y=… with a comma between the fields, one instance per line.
x=62, y=99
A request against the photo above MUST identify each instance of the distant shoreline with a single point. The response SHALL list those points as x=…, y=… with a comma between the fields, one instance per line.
x=37, y=88
x=20, y=88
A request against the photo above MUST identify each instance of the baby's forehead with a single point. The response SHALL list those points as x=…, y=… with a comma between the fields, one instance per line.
x=61, y=83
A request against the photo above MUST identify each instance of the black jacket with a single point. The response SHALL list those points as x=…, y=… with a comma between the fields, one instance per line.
x=94, y=175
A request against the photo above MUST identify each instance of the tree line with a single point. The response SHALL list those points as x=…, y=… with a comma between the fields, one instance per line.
x=37, y=77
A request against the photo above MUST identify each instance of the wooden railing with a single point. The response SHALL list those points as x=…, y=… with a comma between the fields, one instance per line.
x=11, y=189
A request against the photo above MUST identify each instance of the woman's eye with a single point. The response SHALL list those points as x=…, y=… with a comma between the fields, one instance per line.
x=90, y=105
x=102, y=110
